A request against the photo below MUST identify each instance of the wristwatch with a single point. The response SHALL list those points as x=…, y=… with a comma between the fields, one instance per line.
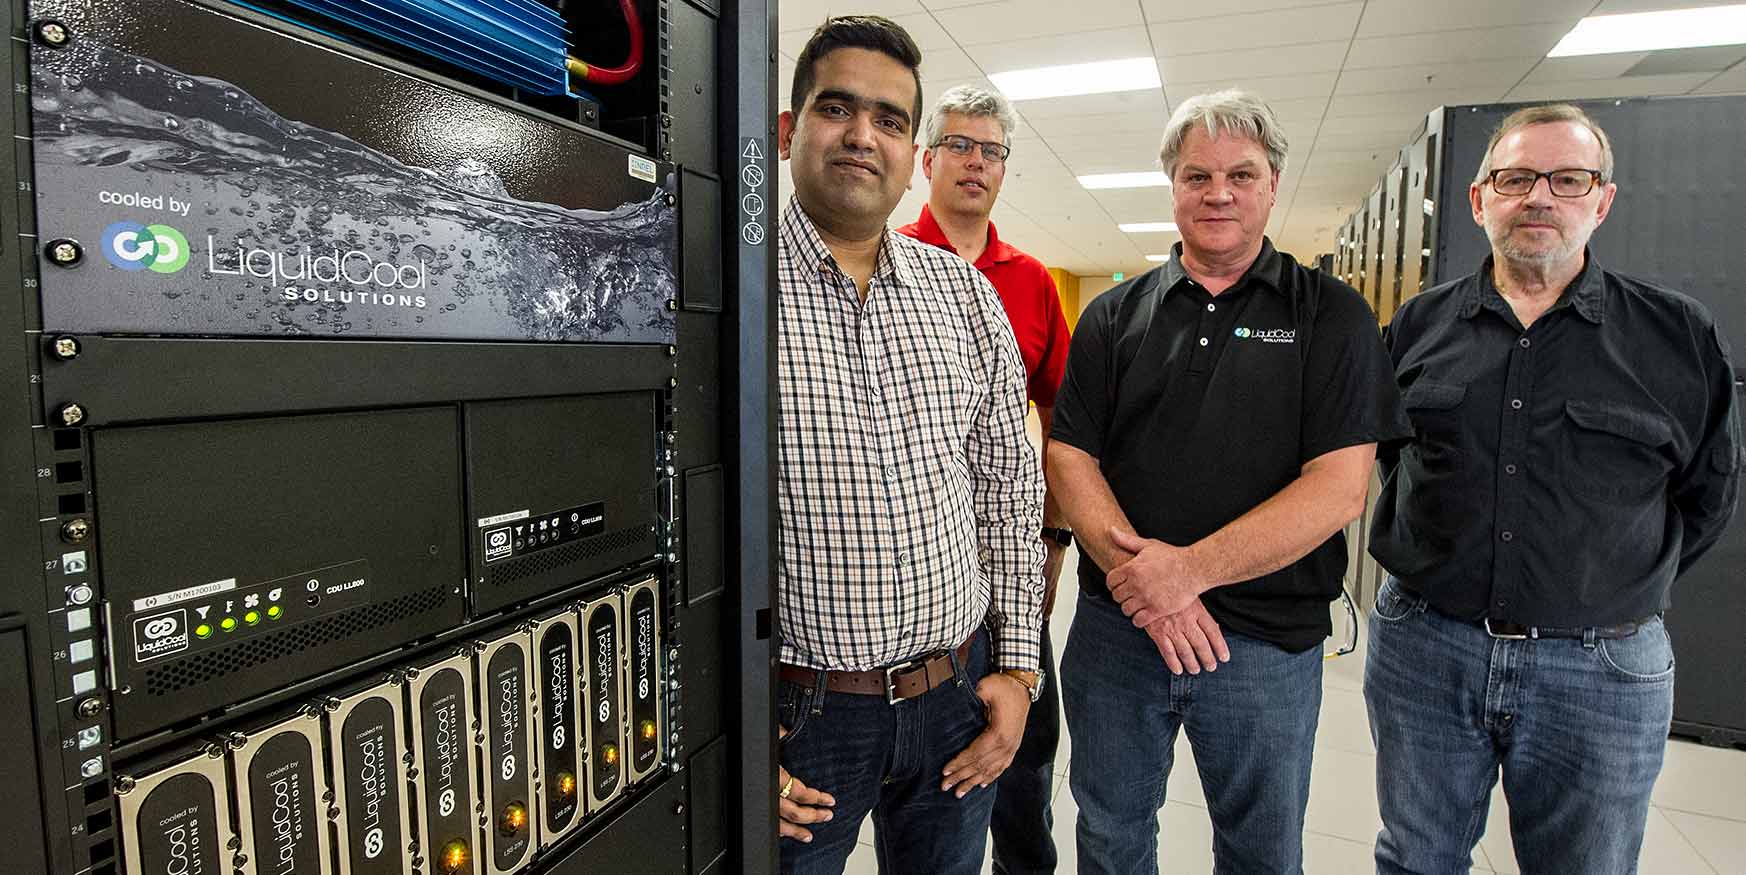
x=1064, y=537
x=1033, y=681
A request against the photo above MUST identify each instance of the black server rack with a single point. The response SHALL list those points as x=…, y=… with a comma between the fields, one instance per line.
x=362, y=355
x=1677, y=171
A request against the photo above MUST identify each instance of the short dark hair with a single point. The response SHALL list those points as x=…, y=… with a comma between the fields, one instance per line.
x=871, y=32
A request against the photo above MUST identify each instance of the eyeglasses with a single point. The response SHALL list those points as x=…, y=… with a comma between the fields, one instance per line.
x=993, y=153
x=1569, y=182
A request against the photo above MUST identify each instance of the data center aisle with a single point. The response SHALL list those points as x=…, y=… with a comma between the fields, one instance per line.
x=1697, y=825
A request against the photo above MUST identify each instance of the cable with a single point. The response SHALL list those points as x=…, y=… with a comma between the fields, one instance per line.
x=632, y=63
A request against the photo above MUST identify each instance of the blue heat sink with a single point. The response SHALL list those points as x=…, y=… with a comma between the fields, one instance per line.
x=521, y=43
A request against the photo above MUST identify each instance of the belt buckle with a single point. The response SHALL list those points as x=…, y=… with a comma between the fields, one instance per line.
x=1503, y=637
x=891, y=697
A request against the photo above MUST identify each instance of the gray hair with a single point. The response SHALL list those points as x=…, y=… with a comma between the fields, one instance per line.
x=1233, y=111
x=973, y=102
x=1546, y=114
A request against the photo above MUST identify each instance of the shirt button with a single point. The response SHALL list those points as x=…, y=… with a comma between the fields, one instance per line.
x=1203, y=341
x=891, y=473
x=1515, y=403
x=1508, y=536
x=877, y=391
x=1509, y=469
x=1212, y=308
x=1524, y=343
x=903, y=557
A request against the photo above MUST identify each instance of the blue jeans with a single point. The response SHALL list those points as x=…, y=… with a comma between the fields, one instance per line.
x=1252, y=725
x=888, y=760
x=1024, y=843
x=1577, y=728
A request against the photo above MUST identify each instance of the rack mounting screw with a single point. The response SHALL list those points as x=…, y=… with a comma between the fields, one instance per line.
x=72, y=414
x=65, y=348
x=65, y=253
x=74, y=531
x=91, y=708
x=53, y=33
x=123, y=785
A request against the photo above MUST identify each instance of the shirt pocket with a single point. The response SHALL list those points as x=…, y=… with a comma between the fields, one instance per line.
x=1435, y=411
x=1615, y=452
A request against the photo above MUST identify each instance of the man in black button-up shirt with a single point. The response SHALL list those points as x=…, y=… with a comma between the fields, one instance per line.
x=1577, y=446
x=1214, y=433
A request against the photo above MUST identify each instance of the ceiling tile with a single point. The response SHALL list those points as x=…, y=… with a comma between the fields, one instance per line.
x=1236, y=63
x=1494, y=76
x=1621, y=7
x=1136, y=205
x=1149, y=119
x=1270, y=88
x=1176, y=10
x=1082, y=164
x=1147, y=101
x=1091, y=141
x=1007, y=20
x=1386, y=139
x=1709, y=59
x=1456, y=46
x=1068, y=48
x=1387, y=17
x=948, y=65
x=1401, y=124
x=1627, y=86
x=1406, y=104
x=1583, y=67
x=1276, y=28
x=1731, y=82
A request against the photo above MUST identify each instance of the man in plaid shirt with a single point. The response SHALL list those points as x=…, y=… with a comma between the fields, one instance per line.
x=909, y=583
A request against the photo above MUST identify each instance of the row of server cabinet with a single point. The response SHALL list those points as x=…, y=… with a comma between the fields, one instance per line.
x=385, y=479
x=1672, y=223
x=465, y=763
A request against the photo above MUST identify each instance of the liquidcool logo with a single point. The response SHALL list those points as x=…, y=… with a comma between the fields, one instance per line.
x=132, y=246
x=1268, y=335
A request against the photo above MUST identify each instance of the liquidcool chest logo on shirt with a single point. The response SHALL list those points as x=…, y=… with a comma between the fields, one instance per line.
x=1267, y=335
x=132, y=246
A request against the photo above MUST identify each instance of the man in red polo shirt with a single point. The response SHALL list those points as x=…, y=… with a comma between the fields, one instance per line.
x=966, y=137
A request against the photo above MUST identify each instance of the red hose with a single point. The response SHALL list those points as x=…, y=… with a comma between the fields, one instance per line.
x=623, y=73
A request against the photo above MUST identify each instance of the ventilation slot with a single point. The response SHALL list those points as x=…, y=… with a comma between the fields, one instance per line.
x=569, y=554
x=269, y=648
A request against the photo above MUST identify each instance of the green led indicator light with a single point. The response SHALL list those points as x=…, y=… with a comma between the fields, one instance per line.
x=204, y=630
x=228, y=624
x=252, y=617
x=274, y=612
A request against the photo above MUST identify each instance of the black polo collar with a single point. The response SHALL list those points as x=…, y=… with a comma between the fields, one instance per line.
x=1267, y=269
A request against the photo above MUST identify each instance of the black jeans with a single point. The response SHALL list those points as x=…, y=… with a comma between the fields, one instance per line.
x=1023, y=818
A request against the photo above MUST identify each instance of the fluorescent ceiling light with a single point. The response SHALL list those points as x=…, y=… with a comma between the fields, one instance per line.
x=1146, y=179
x=1164, y=257
x=1100, y=77
x=1650, y=31
x=1147, y=227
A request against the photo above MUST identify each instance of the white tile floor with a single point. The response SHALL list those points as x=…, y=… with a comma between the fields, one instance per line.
x=1697, y=824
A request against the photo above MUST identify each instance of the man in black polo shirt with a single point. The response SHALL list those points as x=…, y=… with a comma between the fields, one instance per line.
x=1578, y=447
x=1215, y=431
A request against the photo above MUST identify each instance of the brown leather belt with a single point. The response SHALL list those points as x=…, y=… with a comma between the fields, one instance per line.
x=1519, y=632
x=904, y=680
